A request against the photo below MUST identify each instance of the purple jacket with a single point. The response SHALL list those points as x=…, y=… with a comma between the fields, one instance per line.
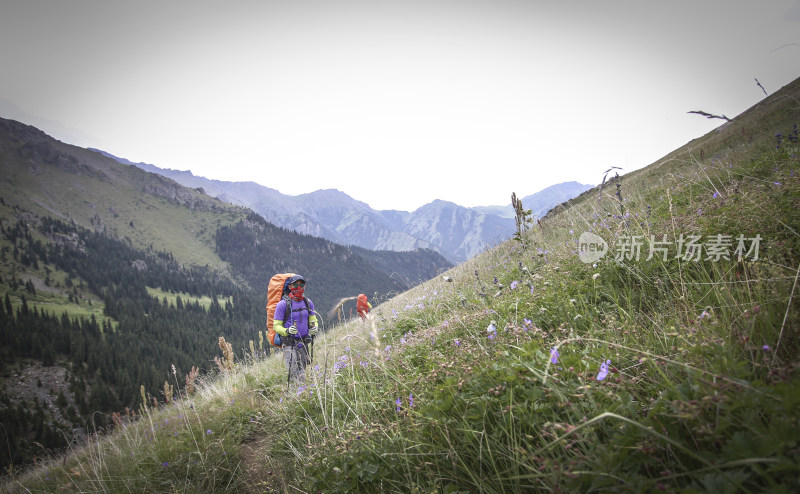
x=299, y=315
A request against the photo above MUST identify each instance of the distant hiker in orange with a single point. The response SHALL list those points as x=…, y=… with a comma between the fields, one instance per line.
x=362, y=306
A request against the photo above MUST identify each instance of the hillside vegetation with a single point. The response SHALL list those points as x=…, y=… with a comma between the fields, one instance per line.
x=110, y=275
x=668, y=368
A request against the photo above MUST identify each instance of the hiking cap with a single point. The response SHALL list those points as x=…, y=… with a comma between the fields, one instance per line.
x=291, y=280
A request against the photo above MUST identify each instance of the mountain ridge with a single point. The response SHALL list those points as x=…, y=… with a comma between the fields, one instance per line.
x=334, y=215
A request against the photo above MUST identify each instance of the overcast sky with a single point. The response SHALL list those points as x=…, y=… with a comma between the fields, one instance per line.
x=395, y=103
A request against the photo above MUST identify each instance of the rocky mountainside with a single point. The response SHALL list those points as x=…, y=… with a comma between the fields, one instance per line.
x=454, y=231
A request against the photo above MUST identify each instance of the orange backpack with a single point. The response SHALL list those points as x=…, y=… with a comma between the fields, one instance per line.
x=274, y=295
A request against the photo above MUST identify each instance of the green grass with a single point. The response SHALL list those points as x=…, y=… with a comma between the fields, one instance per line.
x=52, y=290
x=172, y=298
x=56, y=306
x=56, y=303
x=701, y=395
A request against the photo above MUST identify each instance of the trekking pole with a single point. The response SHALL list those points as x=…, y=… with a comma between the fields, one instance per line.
x=291, y=358
x=289, y=369
x=313, y=337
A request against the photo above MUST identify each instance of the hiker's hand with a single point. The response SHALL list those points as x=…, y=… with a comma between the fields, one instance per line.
x=292, y=329
x=312, y=330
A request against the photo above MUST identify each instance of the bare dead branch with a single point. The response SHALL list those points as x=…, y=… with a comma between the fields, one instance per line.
x=709, y=115
x=762, y=87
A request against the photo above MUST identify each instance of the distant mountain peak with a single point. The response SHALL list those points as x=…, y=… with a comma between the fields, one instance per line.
x=455, y=231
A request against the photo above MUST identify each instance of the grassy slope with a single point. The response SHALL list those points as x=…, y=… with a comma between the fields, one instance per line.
x=141, y=204
x=702, y=393
x=66, y=193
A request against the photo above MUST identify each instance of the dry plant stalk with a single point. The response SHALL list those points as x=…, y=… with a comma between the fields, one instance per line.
x=144, y=398
x=226, y=363
x=522, y=216
x=191, y=377
x=373, y=332
x=339, y=304
x=168, y=391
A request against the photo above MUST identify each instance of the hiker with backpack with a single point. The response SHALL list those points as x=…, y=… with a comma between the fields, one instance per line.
x=294, y=325
x=363, y=306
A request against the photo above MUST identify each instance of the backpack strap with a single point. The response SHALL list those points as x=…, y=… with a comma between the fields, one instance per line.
x=289, y=308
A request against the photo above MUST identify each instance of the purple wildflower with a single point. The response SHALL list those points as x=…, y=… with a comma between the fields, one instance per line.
x=554, y=355
x=341, y=363
x=411, y=400
x=514, y=284
x=398, y=403
x=208, y=431
x=716, y=194
x=458, y=343
x=165, y=464
x=603, y=370
x=766, y=348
